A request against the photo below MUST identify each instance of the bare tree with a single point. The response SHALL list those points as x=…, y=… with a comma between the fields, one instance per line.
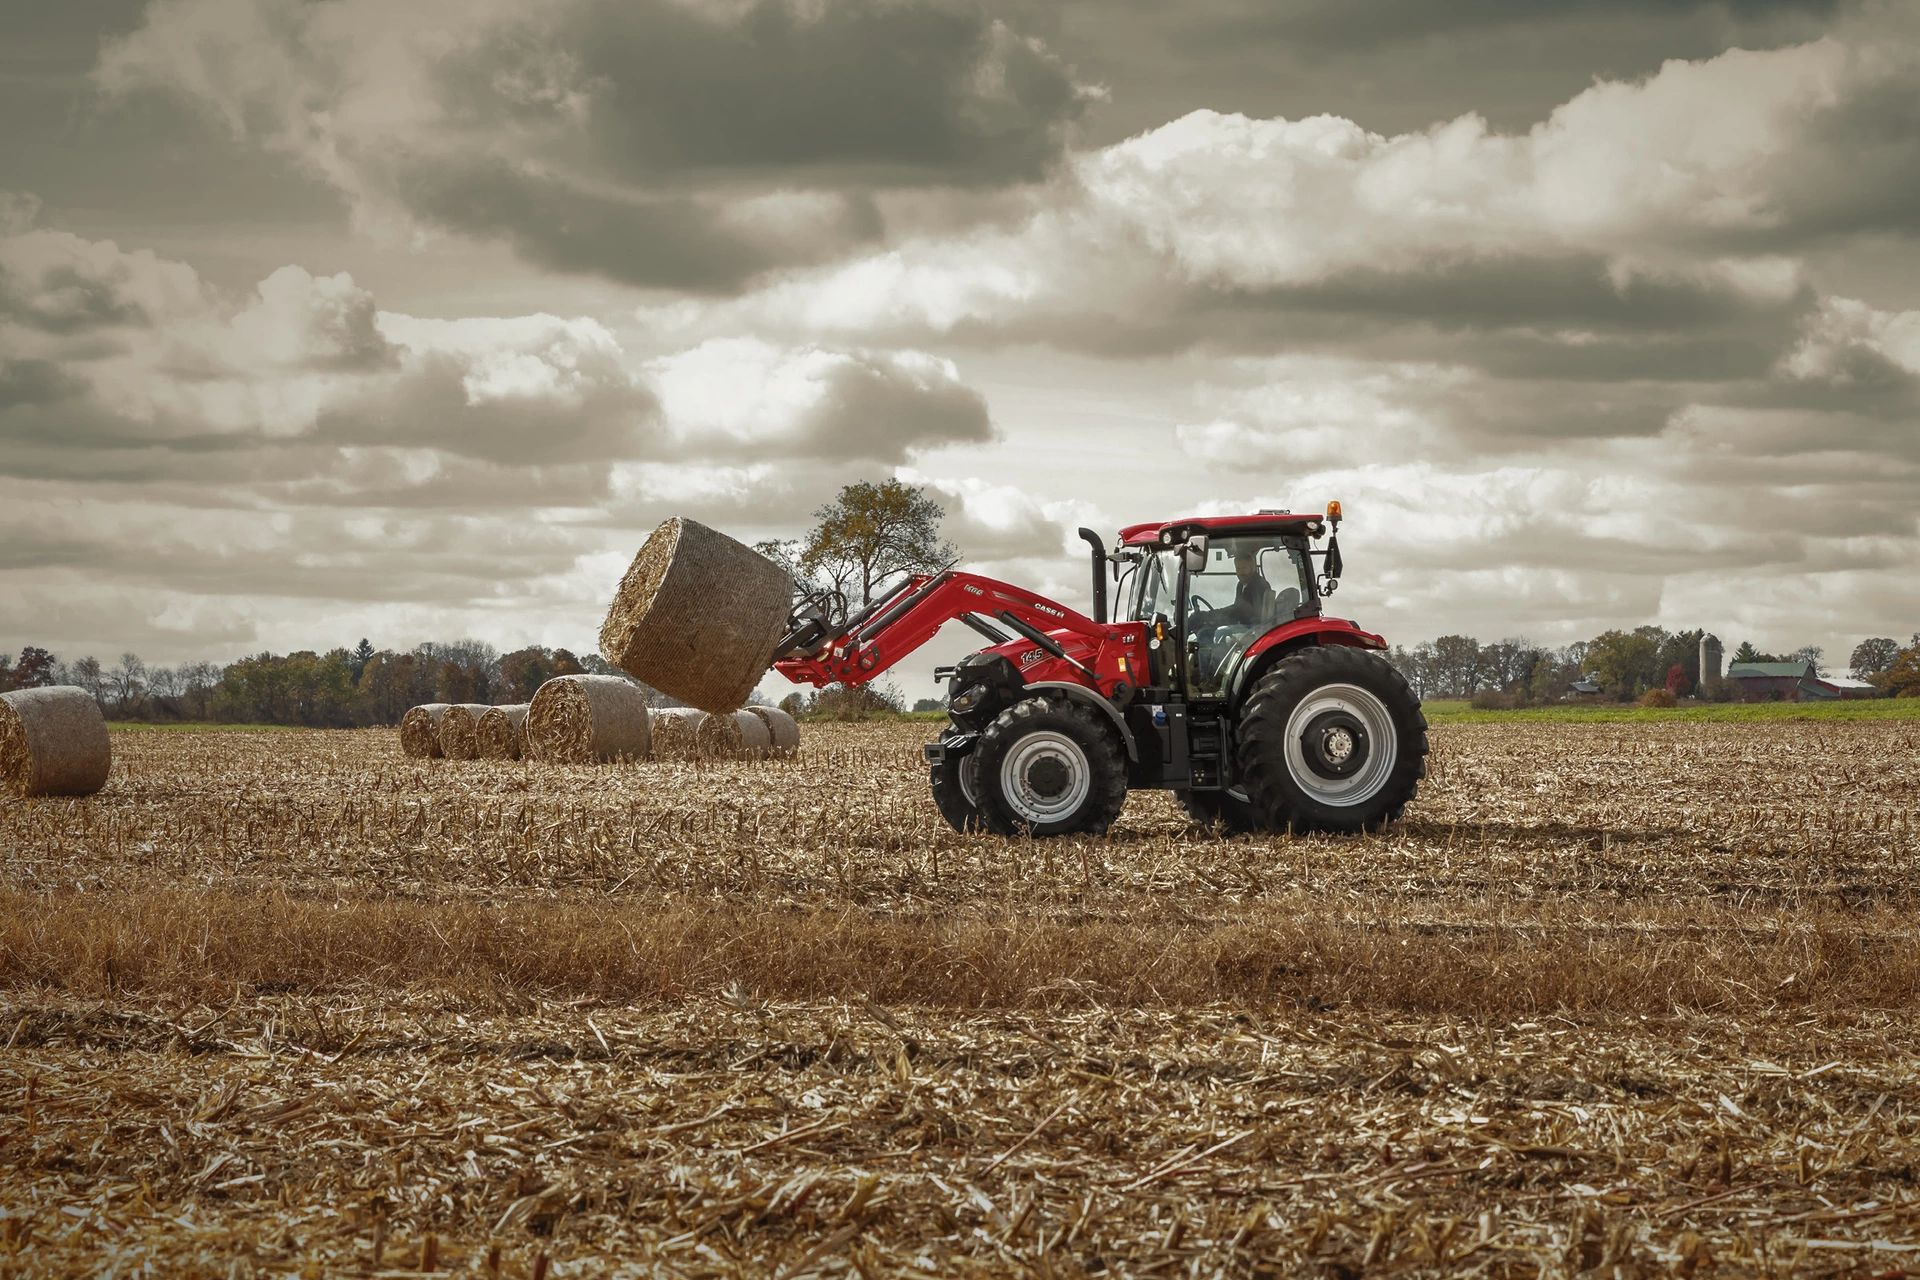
x=86, y=673
x=164, y=682
x=128, y=682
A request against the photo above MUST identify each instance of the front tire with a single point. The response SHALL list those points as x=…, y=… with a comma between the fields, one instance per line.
x=1049, y=767
x=956, y=792
x=1331, y=740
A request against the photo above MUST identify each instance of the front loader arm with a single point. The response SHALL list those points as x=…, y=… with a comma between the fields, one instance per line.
x=879, y=637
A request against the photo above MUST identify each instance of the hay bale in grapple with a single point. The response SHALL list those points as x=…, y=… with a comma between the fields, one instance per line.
x=503, y=732
x=460, y=730
x=674, y=732
x=697, y=616
x=53, y=742
x=781, y=727
x=420, y=730
x=587, y=719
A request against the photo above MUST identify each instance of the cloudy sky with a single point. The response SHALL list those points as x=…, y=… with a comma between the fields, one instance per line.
x=331, y=318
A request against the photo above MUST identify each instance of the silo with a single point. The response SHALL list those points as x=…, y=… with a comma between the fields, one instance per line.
x=1711, y=665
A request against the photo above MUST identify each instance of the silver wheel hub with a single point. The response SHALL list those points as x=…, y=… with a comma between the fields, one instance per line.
x=1338, y=744
x=1045, y=777
x=1341, y=745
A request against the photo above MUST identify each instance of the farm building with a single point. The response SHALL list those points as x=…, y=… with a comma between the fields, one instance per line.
x=1792, y=682
x=1843, y=687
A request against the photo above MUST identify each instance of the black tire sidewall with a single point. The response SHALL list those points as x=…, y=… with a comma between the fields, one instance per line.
x=1277, y=796
x=951, y=798
x=1107, y=786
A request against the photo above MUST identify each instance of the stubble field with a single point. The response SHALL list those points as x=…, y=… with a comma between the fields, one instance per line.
x=1614, y=1000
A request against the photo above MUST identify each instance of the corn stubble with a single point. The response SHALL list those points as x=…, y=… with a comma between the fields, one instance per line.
x=1603, y=1005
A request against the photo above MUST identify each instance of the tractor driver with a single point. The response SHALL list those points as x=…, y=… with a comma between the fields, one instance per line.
x=1252, y=595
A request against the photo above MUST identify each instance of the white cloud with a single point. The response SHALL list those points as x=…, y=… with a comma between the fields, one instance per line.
x=1691, y=179
x=1308, y=412
x=750, y=396
x=1848, y=341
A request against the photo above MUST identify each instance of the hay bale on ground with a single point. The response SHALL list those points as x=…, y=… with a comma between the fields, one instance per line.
x=674, y=731
x=584, y=719
x=718, y=737
x=420, y=730
x=697, y=616
x=741, y=735
x=53, y=742
x=460, y=730
x=756, y=740
x=503, y=732
x=781, y=727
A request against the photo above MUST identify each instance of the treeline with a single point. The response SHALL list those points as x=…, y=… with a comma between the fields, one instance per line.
x=1622, y=665
x=350, y=688
x=337, y=689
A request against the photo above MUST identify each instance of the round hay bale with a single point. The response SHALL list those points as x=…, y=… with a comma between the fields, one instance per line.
x=719, y=736
x=503, y=732
x=697, y=616
x=756, y=740
x=460, y=730
x=585, y=719
x=781, y=727
x=420, y=730
x=53, y=742
x=675, y=730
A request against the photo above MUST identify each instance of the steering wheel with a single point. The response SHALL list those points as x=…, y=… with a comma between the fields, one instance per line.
x=1197, y=604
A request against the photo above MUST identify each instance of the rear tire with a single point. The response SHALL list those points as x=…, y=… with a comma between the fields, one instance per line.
x=1049, y=767
x=1331, y=740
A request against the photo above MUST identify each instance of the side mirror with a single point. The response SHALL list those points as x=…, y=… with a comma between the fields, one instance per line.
x=1196, y=553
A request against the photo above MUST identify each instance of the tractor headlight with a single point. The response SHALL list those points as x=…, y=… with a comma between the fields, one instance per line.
x=967, y=699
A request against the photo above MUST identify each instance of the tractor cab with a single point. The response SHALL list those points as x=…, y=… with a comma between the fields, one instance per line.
x=1210, y=590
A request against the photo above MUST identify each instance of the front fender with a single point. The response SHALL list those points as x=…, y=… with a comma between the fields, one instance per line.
x=1080, y=693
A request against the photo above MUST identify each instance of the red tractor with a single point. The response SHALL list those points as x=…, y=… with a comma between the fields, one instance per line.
x=1219, y=678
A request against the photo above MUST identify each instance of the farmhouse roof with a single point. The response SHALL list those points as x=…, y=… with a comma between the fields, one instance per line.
x=1765, y=670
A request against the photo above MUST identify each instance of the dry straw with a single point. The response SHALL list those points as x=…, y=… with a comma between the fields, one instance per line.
x=53, y=742
x=503, y=732
x=460, y=730
x=782, y=728
x=420, y=730
x=697, y=616
x=586, y=719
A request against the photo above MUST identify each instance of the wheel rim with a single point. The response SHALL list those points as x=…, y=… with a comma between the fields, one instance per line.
x=968, y=775
x=1341, y=745
x=1045, y=777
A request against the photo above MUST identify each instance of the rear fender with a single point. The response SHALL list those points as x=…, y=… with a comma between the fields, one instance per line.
x=1289, y=638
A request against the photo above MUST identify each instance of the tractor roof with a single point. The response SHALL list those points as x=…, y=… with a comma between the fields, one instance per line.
x=1298, y=523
